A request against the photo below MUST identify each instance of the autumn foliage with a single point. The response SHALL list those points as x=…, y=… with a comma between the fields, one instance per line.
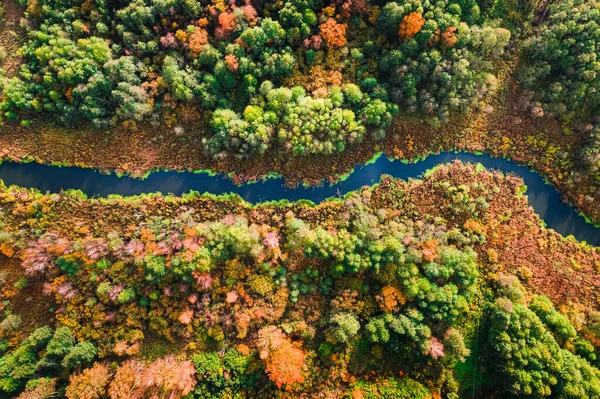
x=197, y=40
x=44, y=389
x=90, y=383
x=125, y=381
x=232, y=62
x=448, y=38
x=284, y=360
x=227, y=23
x=411, y=25
x=333, y=33
x=391, y=298
x=165, y=378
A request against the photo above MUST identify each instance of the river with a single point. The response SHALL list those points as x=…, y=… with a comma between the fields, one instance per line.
x=544, y=199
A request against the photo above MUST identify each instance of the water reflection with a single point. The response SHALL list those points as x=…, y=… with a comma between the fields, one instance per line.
x=543, y=198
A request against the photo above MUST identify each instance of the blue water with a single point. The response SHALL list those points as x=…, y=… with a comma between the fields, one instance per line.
x=544, y=199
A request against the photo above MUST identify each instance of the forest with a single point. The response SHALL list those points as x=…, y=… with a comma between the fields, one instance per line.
x=445, y=286
x=385, y=293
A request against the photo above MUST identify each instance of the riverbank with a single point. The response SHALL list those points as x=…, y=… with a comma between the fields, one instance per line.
x=504, y=130
x=544, y=199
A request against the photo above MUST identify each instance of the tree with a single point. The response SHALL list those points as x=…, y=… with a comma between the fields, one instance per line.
x=344, y=326
x=166, y=378
x=11, y=322
x=61, y=343
x=21, y=363
x=42, y=388
x=591, y=153
x=126, y=380
x=333, y=33
x=411, y=25
x=390, y=388
x=223, y=375
x=284, y=360
x=556, y=322
x=91, y=383
x=180, y=81
x=527, y=356
x=79, y=355
x=560, y=72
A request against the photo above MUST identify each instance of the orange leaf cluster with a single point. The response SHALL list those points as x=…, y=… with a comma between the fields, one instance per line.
x=126, y=380
x=317, y=81
x=333, y=33
x=358, y=394
x=198, y=39
x=284, y=360
x=411, y=25
x=391, y=298
x=7, y=250
x=165, y=378
x=227, y=21
x=90, y=383
x=186, y=316
x=250, y=14
x=232, y=62
x=123, y=348
x=243, y=349
x=475, y=226
x=448, y=38
x=430, y=250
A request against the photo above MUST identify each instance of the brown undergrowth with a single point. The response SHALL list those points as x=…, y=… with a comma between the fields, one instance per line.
x=11, y=36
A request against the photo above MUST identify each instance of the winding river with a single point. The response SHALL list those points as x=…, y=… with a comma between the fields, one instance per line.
x=544, y=199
